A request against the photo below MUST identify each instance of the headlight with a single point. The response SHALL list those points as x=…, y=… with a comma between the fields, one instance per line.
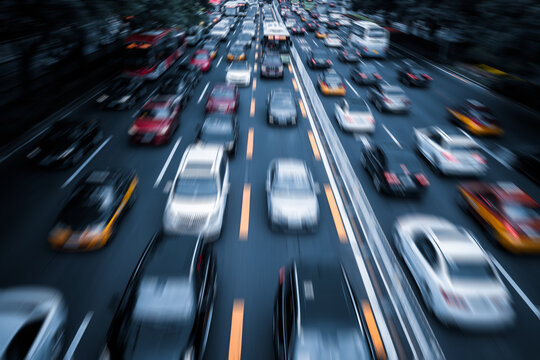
x=124, y=99
x=66, y=152
x=95, y=230
x=263, y=67
x=280, y=69
x=164, y=130
x=133, y=130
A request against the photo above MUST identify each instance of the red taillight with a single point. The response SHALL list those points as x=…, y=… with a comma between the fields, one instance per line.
x=342, y=85
x=449, y=156
x=377, y=76
x=422, y=179
x=363, y=76
x=453, y=300
x=324, y=84
x=412, y=76
x=281, y=275
x=391, y=178
x=511, y=230
x=365, y=49
x=329, y=62
x=427, y=77
x=313, y=61
x=479, y=158
x=387, y=100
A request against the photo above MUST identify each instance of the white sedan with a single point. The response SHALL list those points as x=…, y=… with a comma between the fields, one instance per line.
x=332, y=40
x=354, y=115
x=450, y=151
x=238, y=73
x=456, y=278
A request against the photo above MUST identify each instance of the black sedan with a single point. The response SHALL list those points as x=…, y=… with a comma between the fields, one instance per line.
x=318, y=59
x=122, y=93
x=221, y=129
x=281, y=107
x=365, y=74
x=349, y=55
x=272, y=66
x=93, y=211
x=166, y=309
x=412, y=74
x=66, y=143
x=394, y=170
x=180, y=85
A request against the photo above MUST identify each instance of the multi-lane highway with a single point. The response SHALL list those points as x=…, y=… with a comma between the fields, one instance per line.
x=249, y=254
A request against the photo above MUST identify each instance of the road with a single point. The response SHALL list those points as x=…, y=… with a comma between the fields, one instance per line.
x=248, y=267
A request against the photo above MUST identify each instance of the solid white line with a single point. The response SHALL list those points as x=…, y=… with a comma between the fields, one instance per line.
x=520, y=292
x=378, y=63
x=86, y=162
x=202, y=94
x=503, y=162
x=392, y=136
x=78, y=336
x=23, y=145
x=352, y=88
x=219, y=61
x=314, y=42
x=169, y=158
x=229, y=43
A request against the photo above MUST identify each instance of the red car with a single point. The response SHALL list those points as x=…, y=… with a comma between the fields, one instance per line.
x=202, y=60
x=157, y=121
x=298, y=30
x=223, y=99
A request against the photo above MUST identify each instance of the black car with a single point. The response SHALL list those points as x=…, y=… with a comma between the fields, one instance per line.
x=528, y=162
x=318, y=59
x=220, y=129
x=349, y=55
x=66, y=143
x=394, y=170
x=317, y=315
x=122, y=93
x=272, y=66
x=311, y=25
x=180, y=85
x=92, y=214
x=281, y=107
x=412, y=74
x=244, y=40
x=365, y=74
x=334, y=25
x=166, y=309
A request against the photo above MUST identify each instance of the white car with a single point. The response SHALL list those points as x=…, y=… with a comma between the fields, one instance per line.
x=354, y=115
x=249, y=29
x=219, y=32
x=450, y=151
x=343, y=21
x=332, y=40
x=456, y=278
x=291, y=196
x=32, y=323
x=290, y=23
x=238, y=73
x=323, y=19
x=198, y=196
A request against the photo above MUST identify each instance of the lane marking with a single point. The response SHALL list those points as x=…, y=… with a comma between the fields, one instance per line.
x=256, y=55
x=202, y=94
x=23, y=144
x=169, y=158
x=249, y=150
x=70, y=179
x=378, y=63
x=237, y=323
x=290, y=68
x=520, y=292
x=219, y=61
x=391, y=136
x=252, y=108
x=314, y=147
x=254, y=84
x=78, y=336
x=244, y=215
x=373, y=330
x=255, y=68
x=302, y=107
x=229, y=43
x=352, y=88
x=338, y=222
x=294, y=84
x=257, y=46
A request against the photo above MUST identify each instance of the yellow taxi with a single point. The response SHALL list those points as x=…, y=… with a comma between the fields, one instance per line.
x=475, y=118
x=236, y=53
x=331, y=83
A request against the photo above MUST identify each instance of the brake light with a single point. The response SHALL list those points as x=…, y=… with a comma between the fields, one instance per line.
x=453, y=300
x=365, y=49
x=422, y=179
x=479, y=158
x=377, y=76
x=324, y=84
x=199, y=262
x=281, y=275
x=313, y=61
x=371, y=119
x=412, y=76
x=342, y=85
x=329, y=62
x=391, y=178
x=387, y=100
x=427, y=77
x=363, y=76
x=511, y=230
x=449, y=156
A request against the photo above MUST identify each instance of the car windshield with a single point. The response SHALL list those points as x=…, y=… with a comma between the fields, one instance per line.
x=470, y=271
x=194, y=187
x=237, y=49
x=201, y=56
x=216, y=130
x=272, y=60
x=377, y=33
x=337, y=345
x=244, y=37
x=358, y=106
x=157, y=113
x=521, y=212
x=461, y=147
x=209, y=46
x=394, y=92
x=223, y=93
x=238, y=66
x=293, y=184
x=282, y=100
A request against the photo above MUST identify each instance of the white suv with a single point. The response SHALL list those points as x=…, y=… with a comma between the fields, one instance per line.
x=198, y=196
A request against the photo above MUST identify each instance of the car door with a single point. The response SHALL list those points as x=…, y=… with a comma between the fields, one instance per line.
x=427, y=263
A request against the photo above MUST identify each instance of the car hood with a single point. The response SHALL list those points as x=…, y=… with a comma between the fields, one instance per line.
x=192, y=205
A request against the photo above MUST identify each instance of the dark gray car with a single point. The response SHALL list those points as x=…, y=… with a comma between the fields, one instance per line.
x=281, y=107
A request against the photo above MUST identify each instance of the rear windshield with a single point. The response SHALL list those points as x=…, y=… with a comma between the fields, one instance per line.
x=472, y=271
x=399, y=161
x=377, y=33
x=149, y=114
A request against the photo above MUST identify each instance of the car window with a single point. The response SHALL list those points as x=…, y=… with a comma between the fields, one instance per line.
x=426, y=248
x=489, y=199
x=23, y=340
x=522, y=212
x=196, y=187
x=470, y=271
x=158, y=113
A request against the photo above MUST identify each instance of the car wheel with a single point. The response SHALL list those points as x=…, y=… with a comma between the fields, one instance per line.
x=376, y=183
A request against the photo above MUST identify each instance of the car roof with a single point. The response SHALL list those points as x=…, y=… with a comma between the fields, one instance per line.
x=200, y=160
x=454, y=135
x=173, y=256
x=290, y=166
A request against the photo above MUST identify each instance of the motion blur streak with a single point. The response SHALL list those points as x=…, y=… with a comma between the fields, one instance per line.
x=335, y=214
x=244, y=220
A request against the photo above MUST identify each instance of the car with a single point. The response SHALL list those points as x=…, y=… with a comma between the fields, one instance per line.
x=411, y=73
x=221, y=129
x=323, y=19
x=212, y=47
x=238, y=73
x=393, y=170
x=318, y=59
x=321, y=32
x=349, y=54
x=198, y=196
x=317, y=315
x=476, y=118
x=244, y=40
x=450, y=151
x=281, y=107
x=223, y=98
x=32, y=322
x=272, y=66
x=66, y=143
x=157, y=121
x=456, y=278
x=94, y=209
x=202, y=59
x=298, y=30
x=304, y=17
x=194, y=35
x=333, y=40
x=249, y=29
x=389, y=98
x=344, y=22
x=290, y=23
x=291, y=196
x=511, y=216
x=181, y=85
x=167, y=306
x=312, y=25
x=236, y=53
x=220, y=31
x=333, y=24
x=527, y=161
x=365, y=74
x=123, y=93
x=354, y=115
x=331, y=83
